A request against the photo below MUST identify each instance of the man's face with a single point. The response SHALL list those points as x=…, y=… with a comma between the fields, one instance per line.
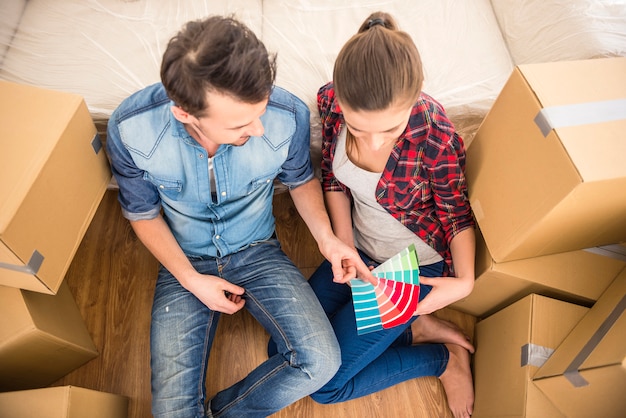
x=228, y=121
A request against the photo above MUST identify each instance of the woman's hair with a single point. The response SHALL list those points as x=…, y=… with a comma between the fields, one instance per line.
x=216, y=54
x=377, y=67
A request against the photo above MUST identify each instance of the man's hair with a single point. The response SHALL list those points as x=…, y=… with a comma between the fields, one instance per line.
x=378, y=67
x=217, y=54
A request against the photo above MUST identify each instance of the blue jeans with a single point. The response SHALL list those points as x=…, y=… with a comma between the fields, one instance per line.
x=280, y=298
x=377, y=360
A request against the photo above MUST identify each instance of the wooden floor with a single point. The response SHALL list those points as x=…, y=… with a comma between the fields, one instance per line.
x=112, y=278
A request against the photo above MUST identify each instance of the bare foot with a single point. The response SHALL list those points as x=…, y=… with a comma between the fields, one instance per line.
x=457, y=381
x=429, y=329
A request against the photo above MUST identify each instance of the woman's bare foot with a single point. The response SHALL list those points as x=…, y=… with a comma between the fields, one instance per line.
x=429, y=329
x=457, y=382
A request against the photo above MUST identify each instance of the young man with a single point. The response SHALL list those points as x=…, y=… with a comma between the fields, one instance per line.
x=195, y=158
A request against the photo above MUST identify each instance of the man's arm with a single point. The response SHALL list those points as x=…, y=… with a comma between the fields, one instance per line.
x=156, y=235
x=346, y=262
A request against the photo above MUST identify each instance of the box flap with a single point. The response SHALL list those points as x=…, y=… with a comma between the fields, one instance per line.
x=584, y=107
x=598, y=340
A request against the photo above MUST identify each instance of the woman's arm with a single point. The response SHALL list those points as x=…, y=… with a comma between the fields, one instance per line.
x=447, y=290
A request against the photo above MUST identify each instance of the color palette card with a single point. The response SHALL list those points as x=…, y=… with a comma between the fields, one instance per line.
x=394, y=299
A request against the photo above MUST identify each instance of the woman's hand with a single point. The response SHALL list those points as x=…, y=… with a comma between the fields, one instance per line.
x=446, y=290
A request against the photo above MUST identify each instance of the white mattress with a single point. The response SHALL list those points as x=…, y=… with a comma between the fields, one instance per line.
x=465, y=58
x=104, y=50
x=560, y=30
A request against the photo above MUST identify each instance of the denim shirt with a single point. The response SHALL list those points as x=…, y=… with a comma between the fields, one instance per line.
x=159, y=166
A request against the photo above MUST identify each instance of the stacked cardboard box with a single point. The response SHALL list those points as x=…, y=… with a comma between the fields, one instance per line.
x=53, y=175
x=62, y=402
x=547, y=181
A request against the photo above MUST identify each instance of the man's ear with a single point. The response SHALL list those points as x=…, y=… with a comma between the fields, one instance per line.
x=180, y=114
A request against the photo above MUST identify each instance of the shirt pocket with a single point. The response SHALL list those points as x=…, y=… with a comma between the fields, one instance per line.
x=413, y=194
x=169, y=188
x=262, y=180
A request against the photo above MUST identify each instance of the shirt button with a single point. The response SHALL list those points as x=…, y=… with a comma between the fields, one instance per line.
x=268, y=180
x=217, y=237
x=161, y=186
x=223, y=193
x=200, y=155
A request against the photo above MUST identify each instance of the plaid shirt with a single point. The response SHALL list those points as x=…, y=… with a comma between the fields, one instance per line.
x=423, y=183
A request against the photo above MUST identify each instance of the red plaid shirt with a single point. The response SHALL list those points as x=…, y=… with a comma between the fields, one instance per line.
x=423, y=184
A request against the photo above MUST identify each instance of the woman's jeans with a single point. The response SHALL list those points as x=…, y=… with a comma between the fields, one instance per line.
x=377, y=360
x=280, y=298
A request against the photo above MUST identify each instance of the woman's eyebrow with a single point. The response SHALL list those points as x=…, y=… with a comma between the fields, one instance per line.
x=359, y=130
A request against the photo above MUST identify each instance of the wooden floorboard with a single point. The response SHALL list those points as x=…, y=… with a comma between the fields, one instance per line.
x=112, y=278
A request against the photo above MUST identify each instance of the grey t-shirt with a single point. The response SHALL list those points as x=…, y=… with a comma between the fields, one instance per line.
x=376, y=232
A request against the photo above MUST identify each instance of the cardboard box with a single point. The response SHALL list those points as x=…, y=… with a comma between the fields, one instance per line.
x=53, y=175
x=510, y=346
x=42, y=338
x=586, y=375
x=62, y=402
x=576, y=276
x=546, y=170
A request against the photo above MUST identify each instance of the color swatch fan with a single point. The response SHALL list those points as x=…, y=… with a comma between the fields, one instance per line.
x=394, y=299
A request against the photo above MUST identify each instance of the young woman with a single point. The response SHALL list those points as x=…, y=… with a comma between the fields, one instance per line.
x=393, y=176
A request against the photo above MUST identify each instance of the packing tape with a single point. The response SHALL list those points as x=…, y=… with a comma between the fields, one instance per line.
x=615, y=251
x=96, y=143
x=571, y=372
x=553, y=117
x=32, y=267
x=535, y=355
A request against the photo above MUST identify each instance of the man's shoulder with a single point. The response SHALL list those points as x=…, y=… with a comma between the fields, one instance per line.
x=283, y=99
x=142, y=101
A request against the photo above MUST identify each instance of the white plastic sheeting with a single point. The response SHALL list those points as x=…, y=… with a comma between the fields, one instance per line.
x=105, y=50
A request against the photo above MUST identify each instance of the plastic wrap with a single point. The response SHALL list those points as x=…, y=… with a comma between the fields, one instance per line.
x=560, y=30
x=104, y=50
x=465, y=59
x=10, y=16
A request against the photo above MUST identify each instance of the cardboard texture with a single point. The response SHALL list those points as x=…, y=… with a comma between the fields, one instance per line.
x=51, y=182
x=536, y=194
x=510, y=345
x=42, y=338
x=62, y=402
x=586, y=375
x=576, y=276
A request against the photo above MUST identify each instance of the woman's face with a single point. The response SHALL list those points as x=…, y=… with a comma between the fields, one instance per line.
x=377, y=128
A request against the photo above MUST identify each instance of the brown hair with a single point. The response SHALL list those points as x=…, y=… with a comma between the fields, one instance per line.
x=377, y=67
x=216, y=54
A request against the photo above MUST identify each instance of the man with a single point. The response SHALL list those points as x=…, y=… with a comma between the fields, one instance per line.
x=195, y=158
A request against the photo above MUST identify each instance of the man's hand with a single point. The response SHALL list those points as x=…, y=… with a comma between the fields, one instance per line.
x=218, y=294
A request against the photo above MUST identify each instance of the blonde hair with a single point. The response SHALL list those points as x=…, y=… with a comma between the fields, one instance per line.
x=377, y=67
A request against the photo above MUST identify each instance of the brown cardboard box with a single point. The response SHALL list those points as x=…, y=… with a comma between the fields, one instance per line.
x=546, y=171
x=42, y=338
x=576, y=276
x=586, y=375
x=62, y=402
x=52, y=178
x=510, y=345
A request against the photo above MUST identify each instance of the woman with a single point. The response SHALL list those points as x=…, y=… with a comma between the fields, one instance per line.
x=393, y=176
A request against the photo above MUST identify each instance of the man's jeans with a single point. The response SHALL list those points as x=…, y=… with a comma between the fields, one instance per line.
x=280, y=298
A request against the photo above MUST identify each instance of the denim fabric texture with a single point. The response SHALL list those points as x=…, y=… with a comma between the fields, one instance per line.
x=158, y=165
x=377, y=360
x=160, y=168
x=280, y=298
